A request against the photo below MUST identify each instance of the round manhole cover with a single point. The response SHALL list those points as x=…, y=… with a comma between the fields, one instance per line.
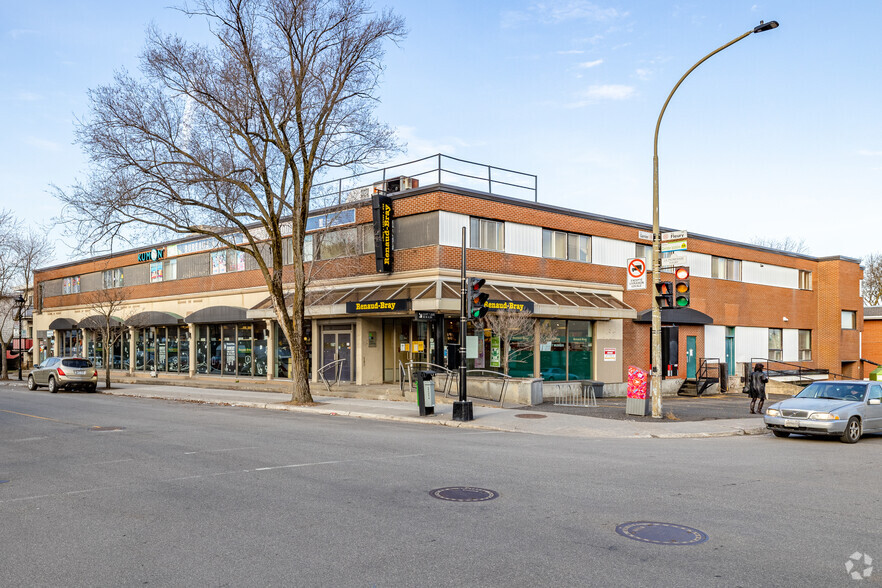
x=97, y=428
x=530, y=415
x=661, y=533
x=464, y=494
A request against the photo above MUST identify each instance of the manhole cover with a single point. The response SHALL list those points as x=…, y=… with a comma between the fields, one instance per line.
x=464, y=494
x=530, y=415
x=97, y=428
x=661, y=533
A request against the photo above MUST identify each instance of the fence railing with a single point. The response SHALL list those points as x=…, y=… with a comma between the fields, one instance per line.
x=428, y=171
x=782, y=369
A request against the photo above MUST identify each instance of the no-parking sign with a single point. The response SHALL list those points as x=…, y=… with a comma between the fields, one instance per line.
x=636, y=274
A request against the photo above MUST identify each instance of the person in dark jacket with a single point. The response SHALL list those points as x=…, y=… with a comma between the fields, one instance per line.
x=758, y=381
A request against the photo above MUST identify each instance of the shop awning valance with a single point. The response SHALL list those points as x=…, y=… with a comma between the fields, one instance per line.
x=677, y=316
x=62, y=324
x=96, y=322
x=218, y=314
x=153, y=318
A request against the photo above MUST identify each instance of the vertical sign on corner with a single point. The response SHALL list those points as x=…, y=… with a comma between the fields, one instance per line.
x=382, y=206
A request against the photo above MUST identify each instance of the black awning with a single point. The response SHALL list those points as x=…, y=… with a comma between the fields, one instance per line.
x=676, y=316
x=96, y=322
x=62, y=324
x=153, y=318
x=218, y=314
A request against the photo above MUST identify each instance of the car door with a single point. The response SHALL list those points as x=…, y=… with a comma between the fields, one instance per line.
x=42, y=375
x=874, y=411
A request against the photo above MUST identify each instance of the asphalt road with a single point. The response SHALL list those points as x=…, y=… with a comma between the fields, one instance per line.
x=185, y=494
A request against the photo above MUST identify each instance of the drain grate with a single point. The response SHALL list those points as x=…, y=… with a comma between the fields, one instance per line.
x=464, y=494
x=661, y=533
x=105, y=429
x=530, y=415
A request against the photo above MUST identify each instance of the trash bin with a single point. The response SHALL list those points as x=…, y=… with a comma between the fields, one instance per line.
x=593, y=385
x=425, y=392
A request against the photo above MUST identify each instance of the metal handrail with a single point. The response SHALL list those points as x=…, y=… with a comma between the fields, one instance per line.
x=434, y=172
x=800, y=369
x=505, y=380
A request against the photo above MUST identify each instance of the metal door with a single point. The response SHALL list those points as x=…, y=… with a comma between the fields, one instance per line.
x=337, y=347
x=730, y=354
x=691, y=360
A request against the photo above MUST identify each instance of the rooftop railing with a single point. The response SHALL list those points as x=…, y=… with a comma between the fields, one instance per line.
x=429, y=171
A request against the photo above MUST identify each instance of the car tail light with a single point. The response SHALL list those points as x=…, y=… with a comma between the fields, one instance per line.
x=95, y=375
x=61, y=372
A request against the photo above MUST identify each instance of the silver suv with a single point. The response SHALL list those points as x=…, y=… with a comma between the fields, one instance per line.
x=64, y=372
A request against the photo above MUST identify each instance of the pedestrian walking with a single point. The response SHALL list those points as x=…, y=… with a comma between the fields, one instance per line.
x=758, y=381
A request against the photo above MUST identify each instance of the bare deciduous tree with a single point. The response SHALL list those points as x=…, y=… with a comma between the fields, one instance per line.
x=227, y=141
x=509, y=325
x=871, y=286
x=108, y=305
x=789, y=244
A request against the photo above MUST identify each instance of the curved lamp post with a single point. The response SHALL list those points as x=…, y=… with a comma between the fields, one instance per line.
x=655, y=380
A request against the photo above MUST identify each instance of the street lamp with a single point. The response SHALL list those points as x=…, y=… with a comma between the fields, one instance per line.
x=655, y=379
x=20, y=301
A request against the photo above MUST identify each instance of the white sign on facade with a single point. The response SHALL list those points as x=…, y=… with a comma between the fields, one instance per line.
x=673, y=260
x=636, y=274
x=644, y=235
x=609, y=354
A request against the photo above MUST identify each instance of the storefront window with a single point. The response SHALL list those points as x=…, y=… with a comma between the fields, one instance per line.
x=580, y=348
x=243, y=350
x=161, y=349
x=184, y=349
x=139, y=350
x=552, y=353
x=202, y=352
x=283, y=355
x=172, y=349
x=260, y=350
x=126, y=338
x=229, y=360
x=150, y=349
x=214, y=349
x=520, y=357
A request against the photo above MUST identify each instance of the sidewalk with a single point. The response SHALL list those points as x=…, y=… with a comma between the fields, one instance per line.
x=487, y=418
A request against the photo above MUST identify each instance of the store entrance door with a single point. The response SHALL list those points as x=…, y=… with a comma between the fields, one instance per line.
x=337, y=353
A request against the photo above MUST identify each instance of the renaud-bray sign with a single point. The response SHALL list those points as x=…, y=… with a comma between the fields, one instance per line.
x=152, y=255
x=399, y=304
x=511, y=305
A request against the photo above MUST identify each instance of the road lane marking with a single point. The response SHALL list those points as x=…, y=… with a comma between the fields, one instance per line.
x=219, y=450
x=28, y=439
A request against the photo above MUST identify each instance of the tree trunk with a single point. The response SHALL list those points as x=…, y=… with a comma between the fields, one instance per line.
x=107, y=350
x=4, y=370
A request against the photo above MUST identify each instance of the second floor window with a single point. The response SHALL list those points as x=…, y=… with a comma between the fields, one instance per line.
x=70, y=285
x=849, y=319
x=724, y=268
x=805, y=280
x=487, y=234
x=571, y=246
x=776, y=344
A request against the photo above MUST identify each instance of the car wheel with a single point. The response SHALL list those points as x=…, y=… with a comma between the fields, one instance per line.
x=53, y=387
x=32, y=385
x=852, y=431
x=781, y=433
x=91, y=387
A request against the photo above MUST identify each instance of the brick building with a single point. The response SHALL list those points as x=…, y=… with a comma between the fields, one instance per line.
x=192, y=309
x=871, y=344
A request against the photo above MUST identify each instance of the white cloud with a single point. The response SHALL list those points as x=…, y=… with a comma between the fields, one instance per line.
x=555, y=13
x=589, y=64
x=643, y=73
x=418, y=147
x=19, y=33
x=596, y=93
x=43, y=144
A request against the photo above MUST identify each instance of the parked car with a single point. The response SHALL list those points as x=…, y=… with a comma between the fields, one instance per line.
x=842, y=408
x=64, y=372
x=556, y=373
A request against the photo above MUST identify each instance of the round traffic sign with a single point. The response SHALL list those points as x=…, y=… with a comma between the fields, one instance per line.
x=636, y=268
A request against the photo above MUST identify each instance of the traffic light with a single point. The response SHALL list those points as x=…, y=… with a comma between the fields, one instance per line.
x=476, y=299
x=664, y=293
x=681, y=287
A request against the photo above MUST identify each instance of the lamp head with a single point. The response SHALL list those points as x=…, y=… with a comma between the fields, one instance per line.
x=19, y=299
x=765, y=26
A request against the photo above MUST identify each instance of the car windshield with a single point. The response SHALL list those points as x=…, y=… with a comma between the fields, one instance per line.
x=76, y=363
x=834, y=391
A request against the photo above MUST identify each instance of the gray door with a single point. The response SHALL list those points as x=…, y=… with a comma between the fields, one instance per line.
x=337, y=355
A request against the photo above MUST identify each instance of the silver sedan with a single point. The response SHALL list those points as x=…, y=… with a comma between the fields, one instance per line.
x=843, y=408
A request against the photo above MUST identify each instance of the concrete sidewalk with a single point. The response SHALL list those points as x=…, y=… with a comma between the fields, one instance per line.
x=486, y=418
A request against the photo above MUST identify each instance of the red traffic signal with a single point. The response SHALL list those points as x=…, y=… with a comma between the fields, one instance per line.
x=477, y=299
x=681, y=287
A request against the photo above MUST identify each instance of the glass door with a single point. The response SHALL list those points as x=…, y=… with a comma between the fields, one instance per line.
x=337, y=355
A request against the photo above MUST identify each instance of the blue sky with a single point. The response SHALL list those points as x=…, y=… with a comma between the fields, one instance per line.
x=777, y=136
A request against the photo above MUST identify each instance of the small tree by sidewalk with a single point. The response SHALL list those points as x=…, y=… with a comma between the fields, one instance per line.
x=105, y=306
x=512, y=326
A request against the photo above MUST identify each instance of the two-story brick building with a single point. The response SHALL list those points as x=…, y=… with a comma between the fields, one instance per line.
x=194, y=310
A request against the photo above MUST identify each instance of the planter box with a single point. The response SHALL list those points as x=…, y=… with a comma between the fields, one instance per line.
x=638, y=406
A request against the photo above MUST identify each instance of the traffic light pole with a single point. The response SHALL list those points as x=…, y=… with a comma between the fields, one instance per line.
x=462, y=409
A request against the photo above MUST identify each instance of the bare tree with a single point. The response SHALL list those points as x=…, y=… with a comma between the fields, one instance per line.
x=511, y=325
x=107, y=305
x=9, y=275
x=789, y=244
x=32, y=250
x=227, y=141
x=871, y=286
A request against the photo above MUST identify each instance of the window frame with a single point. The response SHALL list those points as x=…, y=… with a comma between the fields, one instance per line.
x=478, y=228
x=805, y=353
x=776, y=353
x=852, y=315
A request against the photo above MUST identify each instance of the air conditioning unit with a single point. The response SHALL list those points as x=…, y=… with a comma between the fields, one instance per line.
x=397, y=184
x=362, y=193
